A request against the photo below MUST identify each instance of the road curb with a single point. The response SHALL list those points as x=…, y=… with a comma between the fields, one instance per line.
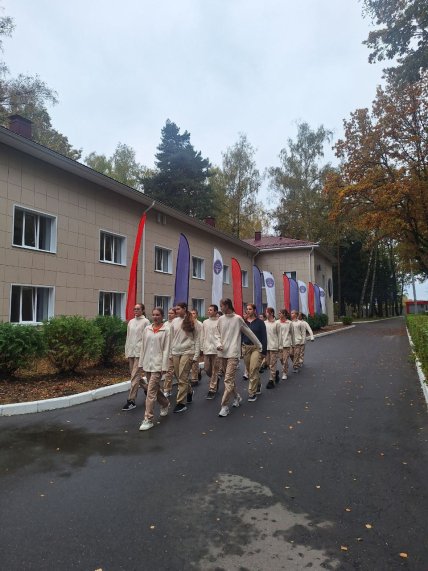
x=422, y=378
x=335, y=331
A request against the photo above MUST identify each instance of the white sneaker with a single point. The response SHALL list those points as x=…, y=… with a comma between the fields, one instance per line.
x=237, y=401
x=164, y=410
x=146, y=424
x=224, y=411
x=167, y=394
x=284, y=377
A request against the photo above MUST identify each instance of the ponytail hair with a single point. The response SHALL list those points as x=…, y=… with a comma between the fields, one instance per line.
x=188, y=326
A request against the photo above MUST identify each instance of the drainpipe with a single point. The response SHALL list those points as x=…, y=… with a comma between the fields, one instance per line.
x=143, y=269
x=310, y=264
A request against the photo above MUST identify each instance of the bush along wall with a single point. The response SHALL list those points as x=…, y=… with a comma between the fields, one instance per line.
x=418, y=329
x=19, y=345
x=317, y=321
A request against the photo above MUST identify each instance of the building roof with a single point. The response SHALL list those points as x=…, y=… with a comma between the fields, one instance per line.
x=35, y=150
x=272, y=242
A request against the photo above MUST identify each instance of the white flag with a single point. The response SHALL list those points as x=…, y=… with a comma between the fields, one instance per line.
x=303, y=296
x=217, y=290
x=270, y=289
x=322, y=299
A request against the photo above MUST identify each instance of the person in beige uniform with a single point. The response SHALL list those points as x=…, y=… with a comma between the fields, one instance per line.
x=185, y=349
x=134, y=336
x=195, y=372
x=298, y=334
x=169, y=375
x=229, y=329
x=286, y=341
x=153, y=361
x=209, y=349
x=307, y=331
x=273, y=333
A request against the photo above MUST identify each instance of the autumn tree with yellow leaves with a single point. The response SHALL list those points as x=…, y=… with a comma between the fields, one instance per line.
x=382, y=183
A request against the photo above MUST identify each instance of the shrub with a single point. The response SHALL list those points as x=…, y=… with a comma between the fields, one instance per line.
x=113, y=331
x=69, y=340
x=317, y=321
x=346, y=319
x=418, y=328
x=19, y=344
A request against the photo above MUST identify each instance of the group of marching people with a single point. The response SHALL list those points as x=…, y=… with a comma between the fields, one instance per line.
x=159, y=350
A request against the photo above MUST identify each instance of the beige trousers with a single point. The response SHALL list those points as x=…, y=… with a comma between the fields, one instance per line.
x=297, y=351
x=154, y=394
x=286, y=354
x=211, y=366
x=229, y=367
x=182, y=366
x=271, y=359
x=252, y=360
x=167, y=383
x=136, y=376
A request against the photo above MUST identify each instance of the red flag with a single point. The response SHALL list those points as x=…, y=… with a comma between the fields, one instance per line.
x=237, y=286
x=132, y=287
x=311, y=299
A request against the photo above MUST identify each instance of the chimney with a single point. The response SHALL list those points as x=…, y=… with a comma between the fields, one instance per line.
x=257, y=235
x=210, y=220
x=20, y=125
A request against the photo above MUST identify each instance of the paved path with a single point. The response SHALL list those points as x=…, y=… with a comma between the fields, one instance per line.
x=326, y=471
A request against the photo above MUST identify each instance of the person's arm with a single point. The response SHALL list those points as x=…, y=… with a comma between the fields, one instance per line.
x=197, y=339
x=166, y=351
x=263, y=335
x=143, y=344
x=217, y=336
x=309, y=330
x=252, y=337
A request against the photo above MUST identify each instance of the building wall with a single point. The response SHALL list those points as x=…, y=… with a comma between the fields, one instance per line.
x=82, y=210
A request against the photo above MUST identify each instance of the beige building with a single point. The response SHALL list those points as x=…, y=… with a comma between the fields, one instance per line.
x=67, y=236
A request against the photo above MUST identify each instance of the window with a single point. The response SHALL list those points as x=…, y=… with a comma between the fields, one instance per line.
x=244, y=274
x=163, y=260
x=31, y=304
x=291, y=275
x=262, y=276
x=198, y=268
x=34, y=230
x=111, y=303
x=112, y=248
x=163, y=301
x=199, y=305
x=226, y=275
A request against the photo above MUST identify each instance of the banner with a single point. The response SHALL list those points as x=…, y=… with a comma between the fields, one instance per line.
x=303, y=294
x=237, y=286
x=270, y=290
x=217, y=288
x=311, y=299
x=322, y=299
x=257, y=277
x=294, y=295
x=182, y=271
x=131, y=298
x=317, y=299
x=286, y=283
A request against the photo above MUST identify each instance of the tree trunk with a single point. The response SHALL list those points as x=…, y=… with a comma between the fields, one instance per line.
x=394, y=279
x=373, y=282
x=363, y=291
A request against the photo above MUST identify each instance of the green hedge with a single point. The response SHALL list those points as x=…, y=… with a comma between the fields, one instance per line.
x=317, y=321
x=113, y=331
x=19, y=345
x=418, y=329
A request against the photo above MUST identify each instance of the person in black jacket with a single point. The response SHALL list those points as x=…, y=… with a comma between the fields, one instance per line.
x=251, y=354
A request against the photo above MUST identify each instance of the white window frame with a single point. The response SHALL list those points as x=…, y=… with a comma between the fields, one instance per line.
x=169, y=259
x=198, y=264
x=50, y=308
x=244, y=274
x=291, y=275
x=163, y=301
x=38, y=214
x=122, y=302
x=122, y=247
x=198, y=303
x=226, y=274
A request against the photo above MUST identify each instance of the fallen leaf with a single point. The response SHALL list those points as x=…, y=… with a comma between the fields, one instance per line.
x=318, y=487
x=152, y=527
x=348, y=510
x=343, y=548
x=403, y=555
x=368, y=526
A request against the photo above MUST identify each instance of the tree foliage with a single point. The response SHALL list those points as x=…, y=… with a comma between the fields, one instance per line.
x=121, y=166
x=382, y=185
x=29, y=96
x=236, y=185
x=402, y=34
x=303, y=208
x=181, y=177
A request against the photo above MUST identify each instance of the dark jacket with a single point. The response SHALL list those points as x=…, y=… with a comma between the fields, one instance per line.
x=258, y=327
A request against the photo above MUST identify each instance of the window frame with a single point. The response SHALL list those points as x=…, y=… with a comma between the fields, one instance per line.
x=169, y=264
x=226, y=274
x=244, y=274
x=165, y=308
x=123, y=247
x=291, y=275
x=202, y=268
x=199, y=305
x=38, y=213
x=50, y=308
x=122, y=302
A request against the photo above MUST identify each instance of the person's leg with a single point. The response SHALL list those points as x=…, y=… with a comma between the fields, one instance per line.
x=254, y=370
x=246, y=355
x=194, y=372
x=302, y=354
x=229, y=380
x=285, y=356
x=135, y=377
x=167, y=384
x=182, y=366
x=296, y=357
x=151, y=396
x=214, y=366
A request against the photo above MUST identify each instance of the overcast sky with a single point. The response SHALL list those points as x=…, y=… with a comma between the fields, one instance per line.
x=214, y=67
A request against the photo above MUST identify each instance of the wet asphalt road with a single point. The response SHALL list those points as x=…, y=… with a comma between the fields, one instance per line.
x=327, y=471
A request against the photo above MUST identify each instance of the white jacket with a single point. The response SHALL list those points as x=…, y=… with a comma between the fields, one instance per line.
x=273, y=332
x=154, y=354
x=307, y=330
x=183, y=343
x=209, y=340
x=299, y=330
x=230, y=326
x=286, y=338
x=134, y=336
